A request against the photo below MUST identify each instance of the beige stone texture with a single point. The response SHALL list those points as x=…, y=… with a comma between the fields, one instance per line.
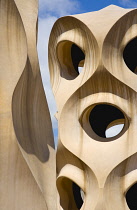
x=103, y=168
x=27, y=155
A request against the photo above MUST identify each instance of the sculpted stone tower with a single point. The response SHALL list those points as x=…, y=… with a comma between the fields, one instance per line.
x=27, y=157
x=96, y=172
x=93, y=65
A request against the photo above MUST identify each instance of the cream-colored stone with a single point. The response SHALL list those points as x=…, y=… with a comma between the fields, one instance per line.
x=104, y=168
x=90, y=166
x=27, y=155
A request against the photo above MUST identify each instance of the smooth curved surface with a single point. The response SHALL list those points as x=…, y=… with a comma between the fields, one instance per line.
x=27, y=155
x=107, y=164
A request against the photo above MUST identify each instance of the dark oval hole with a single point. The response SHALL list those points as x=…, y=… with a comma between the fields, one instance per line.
x=77, y=192
x=78, y=58
x=131, y=197
x=130, y=55
x=104, y=116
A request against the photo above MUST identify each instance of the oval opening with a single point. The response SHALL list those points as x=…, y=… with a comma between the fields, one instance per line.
x=130, y=55
x=78, y=58
x=106, y=120
x=131, y=197
x=71, y=59
x=78, y=195
x=71, y=195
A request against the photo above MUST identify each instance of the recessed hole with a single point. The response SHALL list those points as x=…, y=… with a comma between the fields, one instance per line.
x=78, y=58
x=78, y=195
x=131, y=197
x=103, y=117
x=71, y=59
x=130, y=55
x=71, y=195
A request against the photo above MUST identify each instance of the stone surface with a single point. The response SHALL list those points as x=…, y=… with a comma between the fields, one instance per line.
x=27, y=155
x=95, y=172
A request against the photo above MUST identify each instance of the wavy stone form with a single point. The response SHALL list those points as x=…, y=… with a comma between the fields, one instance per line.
x=27, y=155
x=93, y=172
x=103, y=168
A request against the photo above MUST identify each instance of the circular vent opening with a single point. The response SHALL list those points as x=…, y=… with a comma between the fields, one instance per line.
x=131, y=197
x=130, y=55
x=71, y=195
x=106, y=120
x=71, y=59
x=78, y=195
x=78, y=58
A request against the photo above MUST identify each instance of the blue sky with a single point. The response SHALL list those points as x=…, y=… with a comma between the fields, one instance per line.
x=49, y=12
x=94, y=5
x=59, y=8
